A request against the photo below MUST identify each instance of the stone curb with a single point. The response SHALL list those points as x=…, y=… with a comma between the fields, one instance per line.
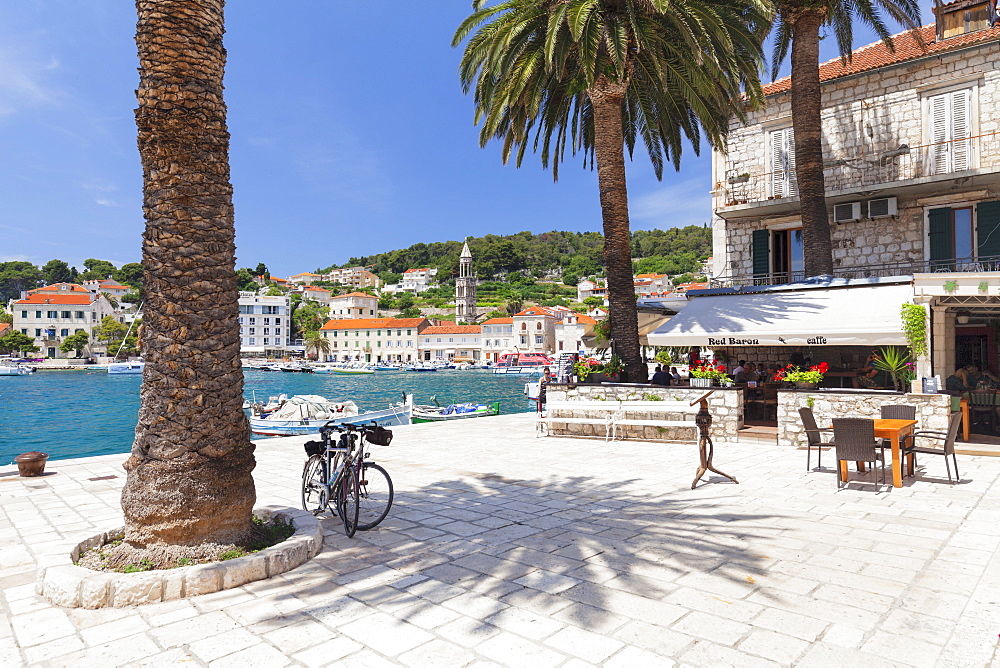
x=63, y=583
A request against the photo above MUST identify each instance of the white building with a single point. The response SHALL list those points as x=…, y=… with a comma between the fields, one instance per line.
x=534, y=330
x=51, y=314
x=374, y=339
x=591, y=288
x=462, y=343
x=315, y=293
x=417, y=280
x=265, y=324
x=305, y=278
x=652, y=285
x=356, y=277
x=570, y=332
x=354, y=305
x=108, y=286
x=498, y=338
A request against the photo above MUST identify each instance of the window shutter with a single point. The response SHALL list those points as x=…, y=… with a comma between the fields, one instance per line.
x=960, y=130
x=783, y=163
x=940, y=241
x=761, y=247
x=988, y=229
x=939, y=134
x=790, y=176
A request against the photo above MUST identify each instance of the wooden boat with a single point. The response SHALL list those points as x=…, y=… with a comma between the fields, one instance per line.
x=454, y=412
x=305, y=414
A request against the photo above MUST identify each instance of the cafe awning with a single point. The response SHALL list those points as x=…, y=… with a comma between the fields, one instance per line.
x=848, y=316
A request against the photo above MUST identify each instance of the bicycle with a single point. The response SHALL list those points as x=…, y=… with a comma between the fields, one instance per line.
x=362, y=490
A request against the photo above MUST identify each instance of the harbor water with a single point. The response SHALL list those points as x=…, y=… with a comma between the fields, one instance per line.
x=86, y=413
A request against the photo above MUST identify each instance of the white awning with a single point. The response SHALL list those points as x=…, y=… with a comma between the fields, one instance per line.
x=855, y=316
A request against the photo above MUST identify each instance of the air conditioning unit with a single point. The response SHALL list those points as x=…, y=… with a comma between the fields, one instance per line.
x=847, y=212
x=882, y=208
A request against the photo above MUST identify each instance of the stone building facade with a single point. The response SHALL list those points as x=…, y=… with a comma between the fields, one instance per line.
x=907, y=136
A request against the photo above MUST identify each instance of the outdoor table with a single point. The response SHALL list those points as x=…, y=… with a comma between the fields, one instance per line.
x=894, y=430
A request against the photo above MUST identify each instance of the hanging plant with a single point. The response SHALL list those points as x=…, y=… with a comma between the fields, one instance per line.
x=914, y=318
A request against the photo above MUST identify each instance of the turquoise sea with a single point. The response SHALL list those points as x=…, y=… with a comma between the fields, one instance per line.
x=85, y=413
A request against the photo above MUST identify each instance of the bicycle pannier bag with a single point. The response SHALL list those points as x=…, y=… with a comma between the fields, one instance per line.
x=314, y=448
x=378, y=435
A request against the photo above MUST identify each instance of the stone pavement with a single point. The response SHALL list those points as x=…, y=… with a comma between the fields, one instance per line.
x=504, y=549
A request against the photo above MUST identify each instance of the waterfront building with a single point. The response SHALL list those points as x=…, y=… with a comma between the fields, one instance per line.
x=498, y=338
x=51, y=314
x=573, y=333
x=374, y=339
x=456, y=343
x=417, y=280
x=534, y=329
x=911, y=142
x=465, y=287
x=357, y=304
x=265, y=324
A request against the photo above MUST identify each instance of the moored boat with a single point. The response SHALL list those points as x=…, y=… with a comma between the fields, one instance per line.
x=454, y=412
x=16, y=370
x=122, y=368
x=305, y=414
x=521, y=364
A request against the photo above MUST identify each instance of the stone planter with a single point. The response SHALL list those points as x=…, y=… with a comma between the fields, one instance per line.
x=596, y=379
x=739, y=179
x=701, y=382
x=803, y=385
x=31, y=464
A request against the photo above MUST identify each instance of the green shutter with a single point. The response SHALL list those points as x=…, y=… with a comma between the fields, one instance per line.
x=941, y=241
x=988, y=229
x=761, y=250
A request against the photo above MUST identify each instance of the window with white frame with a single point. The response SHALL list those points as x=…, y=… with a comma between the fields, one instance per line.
x=950, y=122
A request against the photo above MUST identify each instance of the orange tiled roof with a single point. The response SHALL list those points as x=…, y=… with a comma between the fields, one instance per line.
x=313, y=288
x=650, y=275
x=536, y=310
x=356, y=294
x=499, y=321
x=452, y=329
x=55, y=288
x=46, y=298
x=4, y=326
x=407, y=322
x=585, y=319
x=372, y=323
x=305, y=273
x=876, y=55
x=410, y=271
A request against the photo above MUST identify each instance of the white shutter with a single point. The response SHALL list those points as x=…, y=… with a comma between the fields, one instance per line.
x=960, y=130
x=939, y=134
x=782, y=147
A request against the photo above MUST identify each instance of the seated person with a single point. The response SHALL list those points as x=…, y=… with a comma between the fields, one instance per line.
x=739, y=368
x=973, y=377
x=955, y=383
x=866, y=374
x=661, y=377
x=673, y=373
x=747, y=375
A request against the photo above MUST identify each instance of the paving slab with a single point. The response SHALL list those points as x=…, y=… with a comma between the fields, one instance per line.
x=503, y=549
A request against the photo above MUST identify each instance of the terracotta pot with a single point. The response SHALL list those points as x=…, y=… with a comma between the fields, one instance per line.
x=31, y=464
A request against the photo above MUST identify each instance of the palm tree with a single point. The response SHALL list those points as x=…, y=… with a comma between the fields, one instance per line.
x=316, y=343
x=798, y=24
x=189, y=475
x=601, y=75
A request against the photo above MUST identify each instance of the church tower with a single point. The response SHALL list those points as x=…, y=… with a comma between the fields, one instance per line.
x=465, y=288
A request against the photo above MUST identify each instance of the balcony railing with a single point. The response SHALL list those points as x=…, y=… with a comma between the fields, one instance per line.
x=908, y=268
x=867, y=170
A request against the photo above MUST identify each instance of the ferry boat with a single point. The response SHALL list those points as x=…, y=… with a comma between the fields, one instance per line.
x=522, y=364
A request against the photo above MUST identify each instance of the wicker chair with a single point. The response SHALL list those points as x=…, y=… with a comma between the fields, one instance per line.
x=948, y=446
x=814, y=436
x=896, y=412
x=983, y=404
x=854, y=440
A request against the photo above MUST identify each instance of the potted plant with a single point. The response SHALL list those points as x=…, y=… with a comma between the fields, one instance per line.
x=803, y=379
x=707, y=373
x=739, y=178
x=898, y=364
x=585, y=370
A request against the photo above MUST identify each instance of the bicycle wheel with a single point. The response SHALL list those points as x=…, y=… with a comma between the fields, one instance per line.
x=314, y=492
x=347, y=501
x=374, y=495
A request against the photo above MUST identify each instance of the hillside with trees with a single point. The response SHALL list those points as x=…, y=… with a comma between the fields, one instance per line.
x=569, y=255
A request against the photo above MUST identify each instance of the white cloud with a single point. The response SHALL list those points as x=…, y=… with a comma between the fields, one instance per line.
x=23, y=80
x=107, y=202
x=15, y=258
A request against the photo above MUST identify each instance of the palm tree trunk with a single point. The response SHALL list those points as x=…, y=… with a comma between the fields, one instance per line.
x=807, y=126
x=609, y=153
x=189, y=476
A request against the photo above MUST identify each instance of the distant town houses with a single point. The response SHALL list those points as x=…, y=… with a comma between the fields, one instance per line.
x=265, y=324
x=315, y=293
x=304, y=278
x=497, y=338
x=373, y=339
x=418, y=280
x=652, y=285
x=573, y=334
x=355, y=277
x=535, y=329
x=52, y=313
x=588, y=287
x=108, y=286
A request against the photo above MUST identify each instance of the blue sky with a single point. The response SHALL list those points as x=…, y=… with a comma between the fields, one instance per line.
x=350, y=136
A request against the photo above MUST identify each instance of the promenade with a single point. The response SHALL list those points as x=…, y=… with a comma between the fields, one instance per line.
x=505, y=549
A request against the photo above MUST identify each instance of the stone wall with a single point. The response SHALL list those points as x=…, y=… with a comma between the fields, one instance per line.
x=932, y=410
x=863, y=116
x=725, y=405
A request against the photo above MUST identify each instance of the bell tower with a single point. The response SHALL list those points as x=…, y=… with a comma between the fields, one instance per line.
x=465, y=288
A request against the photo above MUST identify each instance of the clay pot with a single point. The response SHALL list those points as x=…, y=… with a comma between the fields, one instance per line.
x=31, y=464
